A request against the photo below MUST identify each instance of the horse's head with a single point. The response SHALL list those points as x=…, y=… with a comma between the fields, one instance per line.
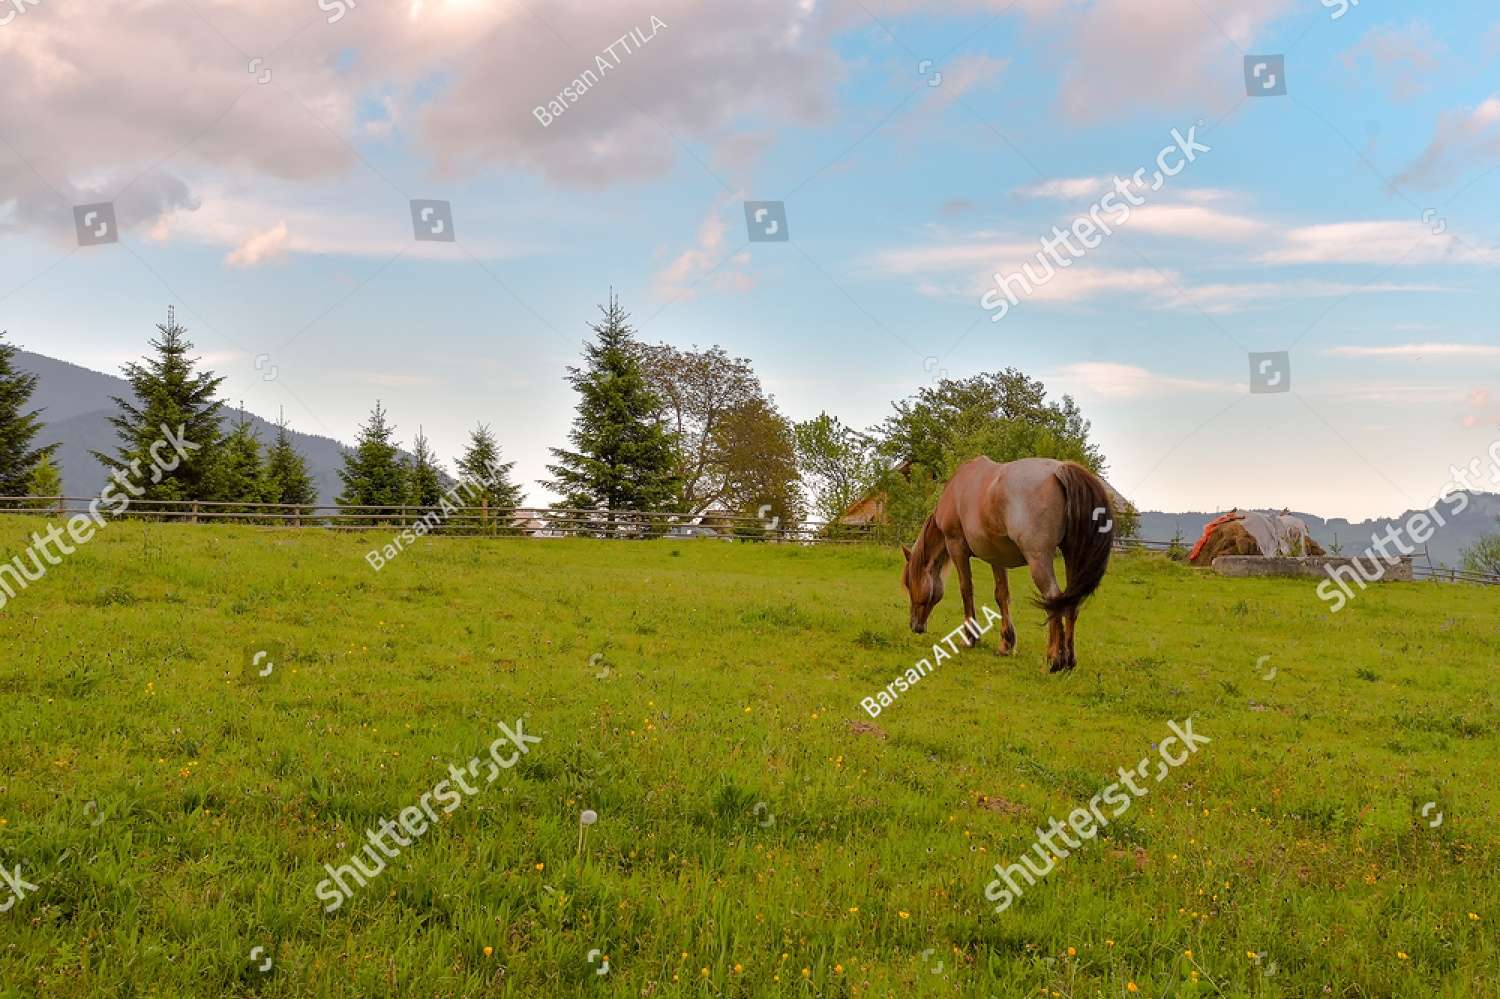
x=922, y=578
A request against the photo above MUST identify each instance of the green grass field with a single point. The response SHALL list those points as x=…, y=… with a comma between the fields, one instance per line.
x=758, y=833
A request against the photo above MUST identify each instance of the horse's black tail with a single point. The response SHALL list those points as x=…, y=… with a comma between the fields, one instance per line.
x=1088, y=535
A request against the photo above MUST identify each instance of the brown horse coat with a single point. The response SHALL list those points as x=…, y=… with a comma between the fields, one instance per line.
x=1009, y=515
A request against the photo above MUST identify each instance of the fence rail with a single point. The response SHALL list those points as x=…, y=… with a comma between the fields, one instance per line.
x=534, y=522
x=537, y=522
x=1431, y=572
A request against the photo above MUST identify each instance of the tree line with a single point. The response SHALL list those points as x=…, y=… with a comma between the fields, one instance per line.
x=656, y=428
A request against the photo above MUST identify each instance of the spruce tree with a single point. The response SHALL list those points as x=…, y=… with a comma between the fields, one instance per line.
x=485, y=481
x=237, y=475
x=622, y=456
x=374, y=473
x=45, y=481
x=168, y=393
x=18, y=459
x=425, y=483
x=287, y=480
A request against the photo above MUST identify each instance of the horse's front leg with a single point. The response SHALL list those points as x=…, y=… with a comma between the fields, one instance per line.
x=960, y=554
x=1002, y=601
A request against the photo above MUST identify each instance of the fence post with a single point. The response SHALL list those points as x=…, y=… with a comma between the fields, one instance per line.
x=194, y=518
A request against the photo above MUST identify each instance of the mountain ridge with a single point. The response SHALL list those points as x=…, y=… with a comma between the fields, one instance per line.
x=82, y=397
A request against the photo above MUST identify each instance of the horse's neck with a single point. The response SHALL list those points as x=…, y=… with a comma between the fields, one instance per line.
x=934, y=549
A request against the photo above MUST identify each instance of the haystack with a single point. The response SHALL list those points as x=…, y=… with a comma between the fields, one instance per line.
x=1231, y=538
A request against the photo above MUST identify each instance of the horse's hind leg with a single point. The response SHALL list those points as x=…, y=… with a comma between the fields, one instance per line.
x=1046, y=583
x=960, y=556
x=1002, y=602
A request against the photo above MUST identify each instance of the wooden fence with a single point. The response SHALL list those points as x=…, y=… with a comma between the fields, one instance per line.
x=534, y=522
x=529, y=522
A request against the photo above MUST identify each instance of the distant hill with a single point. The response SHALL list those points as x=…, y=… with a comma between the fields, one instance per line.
x=1477, y=519
x=76, y=404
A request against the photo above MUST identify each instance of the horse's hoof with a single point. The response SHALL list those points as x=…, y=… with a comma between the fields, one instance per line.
x=1060, y=666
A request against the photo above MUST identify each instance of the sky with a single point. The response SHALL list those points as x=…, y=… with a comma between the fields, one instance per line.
x=258, y=164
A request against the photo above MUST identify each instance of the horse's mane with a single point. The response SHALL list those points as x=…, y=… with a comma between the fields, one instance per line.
x=930, y=550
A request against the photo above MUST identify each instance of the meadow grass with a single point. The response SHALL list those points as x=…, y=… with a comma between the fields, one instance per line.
x=758, y=833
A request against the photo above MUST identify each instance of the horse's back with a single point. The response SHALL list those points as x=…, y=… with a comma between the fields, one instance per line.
x=1004, y=509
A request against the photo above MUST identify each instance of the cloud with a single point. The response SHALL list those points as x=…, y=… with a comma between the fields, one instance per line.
x=1399, y=59
x=1461, y=139
x=1066, y=188
x=951, y=257
x=1195, y=222
x=315, y=223
x=1383, y=242
x=705, y=265
x=1124, y=55
x=260, y=248
x=1126, y=381
x=1414, y=350
x=963, y=75
x=159, y=103
x=1395, y=393
x=702, y=78
x=1234, y=297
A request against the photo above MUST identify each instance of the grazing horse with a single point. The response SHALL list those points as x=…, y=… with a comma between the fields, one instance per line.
x=1010, y=515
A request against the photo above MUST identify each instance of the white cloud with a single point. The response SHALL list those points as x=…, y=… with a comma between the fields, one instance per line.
x=1398, y=58
x=963, y=75
x=264, y=247
x=1067, y=188
x=1461, y=138
x=1126, y=381
x=1195, y=222
x=1384, y=242
x=982, y=256
x=159, y=105
x=1419, y=350
x=1234, y=297
x=1124, y=55
x=704, y=265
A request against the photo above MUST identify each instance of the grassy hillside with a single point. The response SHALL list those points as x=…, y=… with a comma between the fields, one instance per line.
x=758, y=833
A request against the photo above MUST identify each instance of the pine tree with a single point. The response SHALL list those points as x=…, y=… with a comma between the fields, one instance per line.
x=45, y=481
x=622, y=457
x=287, y=480
x=425, y=482
x=18, y=459
x=485, y=481
x=374, y=473
x=168, y=393
x=237, y=475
